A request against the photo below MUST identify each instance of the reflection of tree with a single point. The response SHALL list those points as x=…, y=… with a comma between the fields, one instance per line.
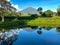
x=34, y=27
x=39, y=32
x=48, y=28
x=43, y=27
x=8, y=37
x=4, y=30
x=40, y=28
x=58, y=29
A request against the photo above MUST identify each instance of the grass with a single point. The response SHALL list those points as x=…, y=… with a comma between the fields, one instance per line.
x=31, y=21
x=51, y=22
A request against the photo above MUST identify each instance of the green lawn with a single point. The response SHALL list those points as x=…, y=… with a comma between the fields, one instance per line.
x=53, y=22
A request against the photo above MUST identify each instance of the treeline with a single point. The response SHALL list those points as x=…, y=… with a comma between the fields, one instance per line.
x=10, y=13
x=48, y=13
x=6, y=14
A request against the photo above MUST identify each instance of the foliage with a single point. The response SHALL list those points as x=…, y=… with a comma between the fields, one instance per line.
x=47, y=13
x=7, y=5
x=13, y=24
x=58, y=11
x=40, y=10
x=0, y=18
x=29, y=14
x=4, y=10
x=9, y=18
x=31, y=17
x=34, y=15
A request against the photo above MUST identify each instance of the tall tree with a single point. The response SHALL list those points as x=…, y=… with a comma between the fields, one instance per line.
x=1, y=14
x=48, y=13
x=4, y=6
x=40, y=10
x=58, y=10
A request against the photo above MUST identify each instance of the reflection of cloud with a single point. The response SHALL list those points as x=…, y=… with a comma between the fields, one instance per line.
x=28, y=29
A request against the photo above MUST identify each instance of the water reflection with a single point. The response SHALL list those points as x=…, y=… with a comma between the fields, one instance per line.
x=8, y=37
x=30, y=36
x=33, y=37
x=28, y=29
x=39, y=32
x=34, y=27
x=48, y=28
x=58, y=29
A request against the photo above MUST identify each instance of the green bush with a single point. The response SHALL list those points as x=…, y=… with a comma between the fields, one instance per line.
x=12, y=24
x=33, y=16
x=9, y=18
x=0, y=18
x=47, y=13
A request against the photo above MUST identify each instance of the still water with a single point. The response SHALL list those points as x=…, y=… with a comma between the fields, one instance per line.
x=29, y=36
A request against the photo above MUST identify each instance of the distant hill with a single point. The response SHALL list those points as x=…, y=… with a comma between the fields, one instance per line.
x=29, y=10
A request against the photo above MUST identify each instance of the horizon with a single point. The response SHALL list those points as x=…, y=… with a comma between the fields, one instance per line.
x=45, y=4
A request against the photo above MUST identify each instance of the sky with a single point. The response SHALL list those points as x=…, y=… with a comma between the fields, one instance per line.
x=45, y=4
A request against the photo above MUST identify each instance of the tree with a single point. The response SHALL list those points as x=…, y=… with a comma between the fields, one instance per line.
x=58, y=10
x=29, y=14
x=5, y=6
x=4, y=13
x=2, y=16
x=40, y=10
x=48, y=13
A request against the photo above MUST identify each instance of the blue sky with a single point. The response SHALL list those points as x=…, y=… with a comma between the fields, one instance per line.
x=45, y=4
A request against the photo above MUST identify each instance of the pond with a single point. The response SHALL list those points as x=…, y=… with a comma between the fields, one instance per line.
x=30, y=36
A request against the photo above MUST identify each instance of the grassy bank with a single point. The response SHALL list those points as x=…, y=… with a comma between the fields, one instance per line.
x=30, y=21
x=52, y=22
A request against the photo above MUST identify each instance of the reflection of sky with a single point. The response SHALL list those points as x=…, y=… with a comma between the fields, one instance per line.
x=33, y=38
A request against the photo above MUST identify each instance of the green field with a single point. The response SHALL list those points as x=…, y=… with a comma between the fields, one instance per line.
x=30, y=21
x=53, y=22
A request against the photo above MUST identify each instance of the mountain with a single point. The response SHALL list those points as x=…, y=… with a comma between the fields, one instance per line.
x=29, y=10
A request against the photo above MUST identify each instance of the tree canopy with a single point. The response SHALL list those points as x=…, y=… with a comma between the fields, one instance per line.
x=47, y=13
x=40, y=10
x=58, y=10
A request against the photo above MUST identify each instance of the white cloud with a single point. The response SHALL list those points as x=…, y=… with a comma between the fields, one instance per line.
x=16, y=6
x=8, y=0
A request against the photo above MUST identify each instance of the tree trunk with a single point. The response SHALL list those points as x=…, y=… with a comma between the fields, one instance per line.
x=2, y=18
